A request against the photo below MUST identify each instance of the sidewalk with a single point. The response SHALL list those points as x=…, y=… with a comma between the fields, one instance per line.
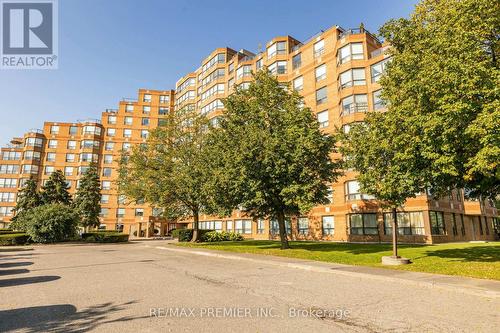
x=471, y=286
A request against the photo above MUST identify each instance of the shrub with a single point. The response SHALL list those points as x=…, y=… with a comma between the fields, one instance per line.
x=104, y=237
x=220, y=236
x=14, y=239
x=185, y=235
x=49, y=223
x=7, y=231
x=175, y=233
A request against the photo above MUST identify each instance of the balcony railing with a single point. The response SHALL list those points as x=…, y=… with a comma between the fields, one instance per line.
x=111, y=110
x=354, y=108
x=35, y=131
x=378, y=52
x=89, y=121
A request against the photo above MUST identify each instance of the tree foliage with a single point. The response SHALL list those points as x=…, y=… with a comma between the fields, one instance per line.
x=55, y=190
x=268, y=155
x=87, y=200
x=442, y=88
x=170, y=170
x=27, y=198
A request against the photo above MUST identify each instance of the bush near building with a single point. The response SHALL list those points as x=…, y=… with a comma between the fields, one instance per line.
x=104, y=237
x=14, y=238
x=216, y=236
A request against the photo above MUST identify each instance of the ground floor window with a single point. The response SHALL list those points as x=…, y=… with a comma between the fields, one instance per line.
x=260, y=226
x=409, y=223
x=275, y=227
x=243, y=226
x=229, y=226
x=303, y=225
x=437, y=222
x=363, y=224
x=218, y=225
x=328, y=224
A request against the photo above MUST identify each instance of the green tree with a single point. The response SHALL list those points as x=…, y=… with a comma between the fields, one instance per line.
x=87, y=200
x=55, y=190
x=27, y=198
x=170, y=171
x=50, y=223
x=269, y=157
x=442, y=88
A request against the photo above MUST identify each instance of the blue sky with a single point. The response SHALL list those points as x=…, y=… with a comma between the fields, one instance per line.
x=108, y=49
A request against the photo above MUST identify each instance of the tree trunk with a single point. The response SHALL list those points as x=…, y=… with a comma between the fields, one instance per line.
x=196, y=233
x=394, y=233
x=283, y=235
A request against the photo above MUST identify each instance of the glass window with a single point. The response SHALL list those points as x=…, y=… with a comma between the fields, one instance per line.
x=51, y=157
x=363, y=224
x=319, y=48
x=229, y=225
x=147, y=98
x=129, y=108
x=8, y=183
x=144, y=134
x=409, y=223
x=109, y=145
x=127, y=133
x=73, y=130
x=68, y=171
x=354, y=103
x=303, y=225
x=258, y=64
x=7, y=197
x=328, y=224
x=54, y=129
x=49, y=170
x=111, y=119
x=297, y=61
x=320, y=72
x=104, y=198
x=352, y=77
x=52, y=143
x=377, y=101
x=106, y=172
x=437, y=223
x=260, y=226
x=353, y=51
x=278, y=67
x=243, y=226
x=111, y=131
x=146, y=109
x=108, y=159
x=120, y=212
x=145, y=121
x=298, y=83
x=139, y=212
x=378, y=69
x=323, y=118
x=127, y=120
x=163, y=111
x=106, y=185
x=352, y=191
x=164, y=99
x=70, y=157
x=321, y=95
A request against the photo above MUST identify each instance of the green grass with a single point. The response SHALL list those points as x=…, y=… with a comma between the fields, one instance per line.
x=478, y=260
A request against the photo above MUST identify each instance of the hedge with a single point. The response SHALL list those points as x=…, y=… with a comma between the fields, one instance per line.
x=104, y=237
x=14, y=239
x=216, y=236
x=8, y=231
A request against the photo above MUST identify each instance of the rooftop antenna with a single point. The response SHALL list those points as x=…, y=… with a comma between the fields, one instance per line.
x=259, y=48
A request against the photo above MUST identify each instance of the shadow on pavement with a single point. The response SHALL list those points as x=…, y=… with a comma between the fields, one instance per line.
x=13, y=271
x=16, y=264
x=27, y=280
x=61, y=318
x=473, y=254
x=15, y=249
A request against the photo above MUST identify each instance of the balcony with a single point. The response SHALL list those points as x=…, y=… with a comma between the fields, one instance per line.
x=354, y=108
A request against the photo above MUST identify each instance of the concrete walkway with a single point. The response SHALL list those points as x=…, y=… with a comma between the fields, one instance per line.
x=471, y=286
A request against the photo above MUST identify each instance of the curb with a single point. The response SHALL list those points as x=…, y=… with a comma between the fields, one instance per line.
x=470, y=290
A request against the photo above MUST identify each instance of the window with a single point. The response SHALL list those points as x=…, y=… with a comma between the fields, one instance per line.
x=109, y=145
x=352, y=77
x=32, y=155
x=278, y=67
x=73, y=130
x=321, y=96
x=126, y=146
x=258, y=64
x=229, y=225
x=147, y=98
x=127, y=133
x=30, y=169
x=68, y=184
x=146, y=109
x=106, y=172
x=49, y=170
x=377, y=101
x=89, y=144
x=6, y=211
x=243, y=226
x=437, y=223
x=129, y=108
x=103, y=212
x=106, y=185
x=82, y=170
x=145, y=121
x=11, y=155
x=245, y=70
x=8, y=183
x=144, y=134
x=88, y=157
x=329, y=194
x=214, y=90
x=260, y=226
x=70, y=157
x=52, y=143
x=9, y=168
x=127, y=120
x=323, y=118
x=139, y=212
x=108, y=159
x=92, y=130
x=163, y=111
x=319, y=48
x=354, y=103
x=120, y=212
x=298, y=83
x=54, y=129
x=164, y=99
x=303, y=225
x=51, y=157
x=352, y=191
x=320, y=72
x=71, y=145
x=378, y=69
x=353, y=51
x=111, y=131
x=218, y=225
x=212, y=106
x=111, y=119
x=275, y=49
x=7, y=197
x=68, y=171
x=363, y=224
x=297, y=61
x=104, y=198
x=219, y=58
x=33, y=142
x=121, y=199
x=328, y=224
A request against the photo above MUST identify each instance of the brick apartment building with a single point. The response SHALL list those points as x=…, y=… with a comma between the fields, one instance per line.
x=337, y=73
